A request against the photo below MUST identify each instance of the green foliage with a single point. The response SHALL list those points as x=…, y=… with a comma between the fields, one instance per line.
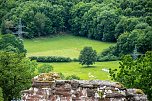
x=77, y=12
x=140, y=37
x=144, y=41
x=135, y=73
x=61, y=76
x=6, y=6
x=108, y=57
x=11, y=43
x=93, y=20
x=87, y=56
x=126, y=42
x=138, y=8
x=45, y=68
x=50, y=59
x=40, y=18
x=72, y=77
x=126, y=24
x=1, y=95
x=16, y=73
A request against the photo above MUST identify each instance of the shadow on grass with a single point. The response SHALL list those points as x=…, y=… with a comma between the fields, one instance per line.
x=88, y=66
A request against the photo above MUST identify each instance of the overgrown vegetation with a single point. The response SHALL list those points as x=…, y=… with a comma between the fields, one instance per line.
x=16, y=73
x=15, y=69
x=45, y=68
x=11, y=43
x=135, y=73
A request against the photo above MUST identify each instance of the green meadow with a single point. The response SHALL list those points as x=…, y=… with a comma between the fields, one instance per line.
x=62, y=45
x=96, y=71
x=70, y=46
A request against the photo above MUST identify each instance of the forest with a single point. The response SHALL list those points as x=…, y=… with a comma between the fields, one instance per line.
x=126, y=25
x=121, y=21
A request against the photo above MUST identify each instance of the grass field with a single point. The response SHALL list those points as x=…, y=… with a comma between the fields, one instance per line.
x=63, y=45
x=70, y=46
x=84, y=72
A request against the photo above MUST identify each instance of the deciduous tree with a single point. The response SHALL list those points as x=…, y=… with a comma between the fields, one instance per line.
x=135, y=73
x=16, y=73
x=88, y=56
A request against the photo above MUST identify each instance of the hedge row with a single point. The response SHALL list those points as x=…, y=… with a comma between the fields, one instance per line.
x=67, y=59
x=50, y=59
x=107, y=58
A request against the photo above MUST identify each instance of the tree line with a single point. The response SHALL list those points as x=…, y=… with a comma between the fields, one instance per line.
x=127, y=22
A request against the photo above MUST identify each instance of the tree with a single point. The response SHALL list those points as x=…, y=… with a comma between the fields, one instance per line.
x=87, y=56
x=135, y=73
x=144, y=41
x=45, y=68
x=40, y=18
x=1, y=95
x=16, y=73
x=9, y=42
x=126, y=24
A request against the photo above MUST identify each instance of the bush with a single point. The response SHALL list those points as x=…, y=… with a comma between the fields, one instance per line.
x=72, y=77
x=107, y=58
x=45, y=68
x=75, y=60
x=50, y=59
x=135, y=73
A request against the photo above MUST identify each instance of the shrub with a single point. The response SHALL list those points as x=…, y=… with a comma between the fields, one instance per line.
x=72, y=77
x=135, y=73
x=75, y=60
x=50, y=59
x=107, y=58
x=45, y=68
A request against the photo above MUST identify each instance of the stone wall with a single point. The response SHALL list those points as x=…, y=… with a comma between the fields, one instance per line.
x=47, y=88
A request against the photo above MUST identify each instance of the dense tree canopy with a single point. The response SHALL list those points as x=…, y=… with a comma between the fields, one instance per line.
x=127, y=22
x=88, y=56
x=1, y=95
x=135, y=73
x=11, y=43
x=40, y=18
x=16, y=73
x=103, y=20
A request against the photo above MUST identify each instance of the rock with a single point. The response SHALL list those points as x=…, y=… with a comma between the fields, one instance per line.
x=47, y=87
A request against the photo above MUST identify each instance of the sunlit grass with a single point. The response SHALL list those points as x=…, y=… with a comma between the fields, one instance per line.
x=64, y=45
x=74, y=68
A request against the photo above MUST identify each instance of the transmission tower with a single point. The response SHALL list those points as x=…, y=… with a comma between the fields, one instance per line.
x=135, y=53
x=20, y=31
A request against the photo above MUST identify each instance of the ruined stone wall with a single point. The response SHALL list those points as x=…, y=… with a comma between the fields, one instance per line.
x=80, y=90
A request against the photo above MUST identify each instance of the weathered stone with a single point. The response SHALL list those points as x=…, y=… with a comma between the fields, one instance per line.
x=51, y=89
x=74, y=85
x=90, y=93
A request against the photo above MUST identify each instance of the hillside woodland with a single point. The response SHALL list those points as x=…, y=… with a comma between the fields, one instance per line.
x=121, y=21
x=128, y=23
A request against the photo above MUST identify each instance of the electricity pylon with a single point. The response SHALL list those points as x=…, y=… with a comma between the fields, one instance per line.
x=20, y=31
